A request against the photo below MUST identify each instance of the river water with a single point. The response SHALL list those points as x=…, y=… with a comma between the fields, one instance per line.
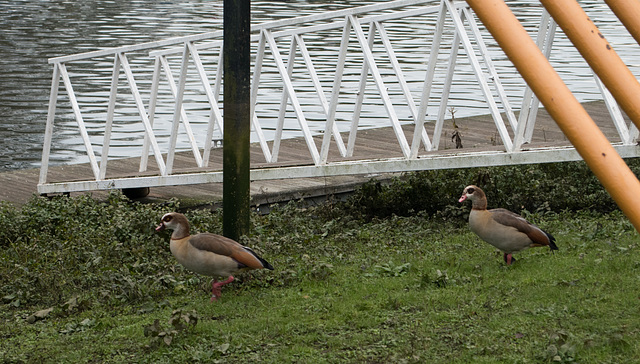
x=31, y=31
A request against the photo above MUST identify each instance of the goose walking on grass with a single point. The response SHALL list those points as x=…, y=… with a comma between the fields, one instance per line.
x=209, y=254
x=506, y=230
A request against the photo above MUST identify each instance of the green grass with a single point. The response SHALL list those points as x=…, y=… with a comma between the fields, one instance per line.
x=347, y=288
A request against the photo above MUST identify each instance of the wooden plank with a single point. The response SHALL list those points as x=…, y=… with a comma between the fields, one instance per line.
x=478, y=134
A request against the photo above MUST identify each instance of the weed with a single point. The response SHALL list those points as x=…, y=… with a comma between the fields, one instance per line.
x=534, y=188
x=390, y=269
x=178, y=322
x=390, y=275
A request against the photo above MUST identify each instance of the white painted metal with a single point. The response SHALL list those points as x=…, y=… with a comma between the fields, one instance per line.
x=427, y=86
x=530, y=103
x=144, y=159
x=446, y=89
x=283, y=102
x=348, y=26
x=361, y=167
x=78, y=114
x=357, y=110
x=335, y=93
x=177, y=111
x=48, y=133
x=215, y=117
x=110, y=111
x=384, y=37
x=382, y=88
x=479, y=73
x=493, y=74
x=255, y=83
x=176, y=92
x=143, y=114
x=291, y=94
x=627, y=135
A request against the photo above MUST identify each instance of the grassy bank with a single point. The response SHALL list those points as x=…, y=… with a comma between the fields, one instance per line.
x=356, y=281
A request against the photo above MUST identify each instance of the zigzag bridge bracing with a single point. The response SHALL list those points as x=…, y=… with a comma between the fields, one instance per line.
x=320, y=122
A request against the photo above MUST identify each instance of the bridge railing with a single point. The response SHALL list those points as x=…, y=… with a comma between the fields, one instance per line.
x=177, y=82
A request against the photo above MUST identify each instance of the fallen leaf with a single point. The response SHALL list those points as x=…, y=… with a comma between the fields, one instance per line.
x=39, y=315
x=167, y=339
x=86, y=322
x=223, y=348
x=71, y=304
x=43, y=313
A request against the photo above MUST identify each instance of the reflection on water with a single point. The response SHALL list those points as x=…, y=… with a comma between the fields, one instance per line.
x=31, y=31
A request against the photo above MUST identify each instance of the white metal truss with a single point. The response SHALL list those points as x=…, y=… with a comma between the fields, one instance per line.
x=530, y=103
x=358, y=33
x=526, y=122
x=628, y=133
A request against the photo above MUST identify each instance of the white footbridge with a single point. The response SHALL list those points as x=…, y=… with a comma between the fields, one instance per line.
x=321, y=78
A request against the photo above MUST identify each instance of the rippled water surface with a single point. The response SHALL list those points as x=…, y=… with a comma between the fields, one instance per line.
x=31, y=31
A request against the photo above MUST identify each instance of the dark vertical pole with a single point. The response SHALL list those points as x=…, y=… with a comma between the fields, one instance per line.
x=237, y=117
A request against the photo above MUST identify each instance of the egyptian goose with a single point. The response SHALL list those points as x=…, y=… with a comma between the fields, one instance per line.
x=209, y=254
x=502, y=228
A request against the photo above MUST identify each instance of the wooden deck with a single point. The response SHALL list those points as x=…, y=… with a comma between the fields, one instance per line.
x=477, y=133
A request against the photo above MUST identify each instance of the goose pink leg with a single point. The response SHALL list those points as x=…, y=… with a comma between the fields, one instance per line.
x=508, y=258
x=216, y=286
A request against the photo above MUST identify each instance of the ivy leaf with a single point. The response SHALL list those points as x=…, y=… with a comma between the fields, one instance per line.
x=223, y=348
x=167, y=339
x=71, y=304
x=39, y=315
x=153, y=330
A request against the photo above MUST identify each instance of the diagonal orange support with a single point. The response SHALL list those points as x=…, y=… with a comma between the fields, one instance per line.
x=571, y=117
x=628, y=11
x=595, y=49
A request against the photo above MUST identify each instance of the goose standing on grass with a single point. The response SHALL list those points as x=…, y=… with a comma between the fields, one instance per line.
x=502, y=228
x=209, y=254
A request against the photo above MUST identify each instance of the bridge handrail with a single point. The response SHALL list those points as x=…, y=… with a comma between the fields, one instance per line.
x=513, y=133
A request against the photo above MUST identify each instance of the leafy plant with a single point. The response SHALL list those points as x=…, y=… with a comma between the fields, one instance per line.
x=390, y=269
x=560, y=349
x=534, y=188
x=441, y=279
x=61, y=247
x=178, y=322
x=395, y=276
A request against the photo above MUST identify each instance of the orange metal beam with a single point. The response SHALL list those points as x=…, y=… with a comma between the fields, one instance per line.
x=577, y=125
x=628, y=11
x=595, y=49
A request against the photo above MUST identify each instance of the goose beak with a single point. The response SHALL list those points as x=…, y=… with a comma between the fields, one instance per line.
x=462, y=198
x=161, y=227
